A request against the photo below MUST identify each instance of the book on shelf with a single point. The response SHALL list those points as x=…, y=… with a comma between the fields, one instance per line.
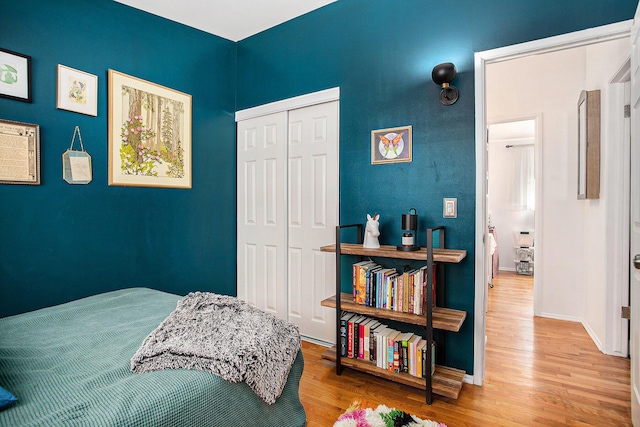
x=344, y=320
x=357, y=290
x=352, y=335
x=391, y=350
x=404, y=353
x=372, y=340
x=370, y=284
x=363, y=339
x=381, y=347
x=412, y=345
x=422, y=348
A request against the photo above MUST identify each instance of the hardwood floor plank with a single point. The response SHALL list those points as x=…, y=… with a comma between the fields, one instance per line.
x=539, y=372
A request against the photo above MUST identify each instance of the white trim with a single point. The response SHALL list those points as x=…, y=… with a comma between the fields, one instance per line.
x=481, y=60
x=301, y=101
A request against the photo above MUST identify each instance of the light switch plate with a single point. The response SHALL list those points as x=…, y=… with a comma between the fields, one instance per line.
x=450, y=208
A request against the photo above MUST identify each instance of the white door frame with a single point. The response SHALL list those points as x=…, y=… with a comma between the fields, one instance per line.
x=301, y=101
x=482, y=59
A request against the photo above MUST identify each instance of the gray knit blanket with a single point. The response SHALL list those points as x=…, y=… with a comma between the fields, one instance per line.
x=227, y=337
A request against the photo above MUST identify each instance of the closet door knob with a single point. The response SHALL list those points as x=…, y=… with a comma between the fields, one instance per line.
x=636, y=261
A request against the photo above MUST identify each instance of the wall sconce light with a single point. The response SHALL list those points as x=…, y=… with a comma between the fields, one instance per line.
x=442, y=75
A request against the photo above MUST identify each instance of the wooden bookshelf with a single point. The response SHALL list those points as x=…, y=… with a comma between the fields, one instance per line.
x=446, y=381
x=388, y=251
x=446, y=319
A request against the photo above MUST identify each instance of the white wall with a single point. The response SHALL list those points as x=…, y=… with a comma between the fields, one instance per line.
x=603, y=61
x=573, y=246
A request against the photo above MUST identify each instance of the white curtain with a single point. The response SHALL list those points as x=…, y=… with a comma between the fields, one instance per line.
x=522, y=191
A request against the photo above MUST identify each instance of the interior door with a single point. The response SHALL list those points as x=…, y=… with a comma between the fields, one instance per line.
x=262, y=215
x=313, y=216
x=635, y=221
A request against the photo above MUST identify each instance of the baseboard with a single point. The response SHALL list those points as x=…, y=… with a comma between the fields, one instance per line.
x=316, y=341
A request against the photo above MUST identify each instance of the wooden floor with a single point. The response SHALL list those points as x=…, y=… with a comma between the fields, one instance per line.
x=538, y=372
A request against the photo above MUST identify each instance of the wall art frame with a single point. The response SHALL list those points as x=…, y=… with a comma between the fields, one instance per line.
x=20, y=153
x=589, y=145
x=391, y=145
x=149, y=133
x=15, y=76
x=77, y=91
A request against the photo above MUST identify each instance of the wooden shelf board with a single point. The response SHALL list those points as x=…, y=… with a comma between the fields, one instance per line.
x=446, y=382
x=388, y=251
x=446, y=319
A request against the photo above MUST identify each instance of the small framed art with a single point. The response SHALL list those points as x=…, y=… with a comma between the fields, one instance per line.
x=77, y=91
x=392, y=145
x=15, y=75
x=19, y=153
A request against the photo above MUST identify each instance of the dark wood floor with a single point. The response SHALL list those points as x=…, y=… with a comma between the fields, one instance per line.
x=539, y=372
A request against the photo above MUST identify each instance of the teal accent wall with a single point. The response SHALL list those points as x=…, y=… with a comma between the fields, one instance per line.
x=381, y=53
x=60, y=242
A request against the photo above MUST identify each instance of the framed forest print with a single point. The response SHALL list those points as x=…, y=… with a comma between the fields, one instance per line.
x=149, y=134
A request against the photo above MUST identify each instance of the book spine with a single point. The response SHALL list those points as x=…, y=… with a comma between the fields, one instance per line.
x=361, y=340
x=400, y=291
x=343, y=337
x=354, y=275
x=356, y=333
x=390, y=351
x=405, y=357
x=350, y=339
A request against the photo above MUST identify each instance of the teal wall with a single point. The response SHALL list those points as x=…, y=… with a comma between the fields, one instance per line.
x=381, y=53
x=60, y=242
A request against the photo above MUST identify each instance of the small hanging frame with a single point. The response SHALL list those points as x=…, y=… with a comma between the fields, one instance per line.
x=76, y=165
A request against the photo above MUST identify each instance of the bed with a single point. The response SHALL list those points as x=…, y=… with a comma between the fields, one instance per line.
x=69, y=365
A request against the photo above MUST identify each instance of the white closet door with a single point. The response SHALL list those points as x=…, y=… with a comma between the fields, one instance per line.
x=262, y=215
x=313, y=215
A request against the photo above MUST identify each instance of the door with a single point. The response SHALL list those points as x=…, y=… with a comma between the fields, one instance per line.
x=287, y=172
x=313, y=216
x=262, y=214
x=635, y=221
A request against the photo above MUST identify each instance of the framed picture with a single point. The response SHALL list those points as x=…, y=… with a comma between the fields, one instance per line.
x=589, y=144
x=19, y=153
x=15, y=76
x=149, y=134
x=391, y=145
x=77, y=91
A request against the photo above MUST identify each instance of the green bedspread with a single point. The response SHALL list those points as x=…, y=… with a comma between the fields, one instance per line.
x=68, y=365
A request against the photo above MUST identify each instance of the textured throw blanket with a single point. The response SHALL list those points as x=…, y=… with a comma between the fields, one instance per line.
x=227, y=337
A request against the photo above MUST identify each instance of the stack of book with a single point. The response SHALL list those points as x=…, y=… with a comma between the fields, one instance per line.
x=375, y=286
x=368, y=339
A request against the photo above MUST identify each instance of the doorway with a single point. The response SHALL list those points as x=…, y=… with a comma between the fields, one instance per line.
x=552, y=177
x=511, y=200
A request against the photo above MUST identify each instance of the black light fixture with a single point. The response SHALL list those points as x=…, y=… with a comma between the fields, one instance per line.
x=442, y=75
x=410, y=229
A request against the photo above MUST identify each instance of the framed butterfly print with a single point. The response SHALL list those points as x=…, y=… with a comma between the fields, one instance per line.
x=392, y=145
x=77, y=91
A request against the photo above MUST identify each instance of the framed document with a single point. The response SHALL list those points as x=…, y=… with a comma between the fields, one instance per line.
x=19, y=153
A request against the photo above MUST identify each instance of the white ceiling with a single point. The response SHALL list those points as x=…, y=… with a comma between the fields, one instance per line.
x=231, y=19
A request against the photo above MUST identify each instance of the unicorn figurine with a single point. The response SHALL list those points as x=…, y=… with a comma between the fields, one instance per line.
x=371, y=232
